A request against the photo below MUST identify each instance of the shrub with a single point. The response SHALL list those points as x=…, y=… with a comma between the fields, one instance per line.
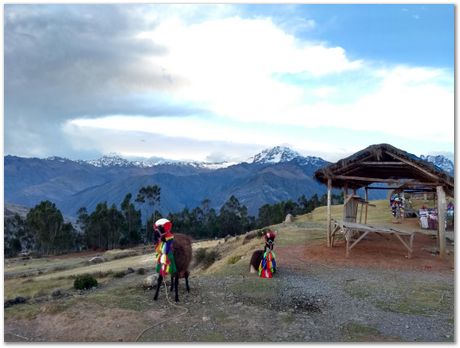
x=210, y=258
x=200, y=254
x=84, y=281
x=119, y=274
x=205, y=257
x=234, y=259
x=141, y=271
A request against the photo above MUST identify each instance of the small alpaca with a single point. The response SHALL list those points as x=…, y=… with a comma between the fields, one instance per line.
x=263, y=261
x=174, y=254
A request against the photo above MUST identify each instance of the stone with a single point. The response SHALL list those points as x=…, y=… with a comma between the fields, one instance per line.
x=15, y=301
x=289, y=218
x=130, y=270
x=150, y=281
x=56, y=293
x=96, y=259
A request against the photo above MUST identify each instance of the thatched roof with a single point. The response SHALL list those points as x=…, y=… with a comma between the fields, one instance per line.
x=384, y=163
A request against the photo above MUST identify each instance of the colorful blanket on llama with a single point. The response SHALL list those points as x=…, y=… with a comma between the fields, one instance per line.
x=268, y=265
x=165, y=257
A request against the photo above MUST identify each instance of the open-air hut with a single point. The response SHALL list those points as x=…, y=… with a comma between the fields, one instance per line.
x=391, y=168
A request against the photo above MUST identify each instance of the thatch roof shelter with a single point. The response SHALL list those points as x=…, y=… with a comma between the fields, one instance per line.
x=386, y=164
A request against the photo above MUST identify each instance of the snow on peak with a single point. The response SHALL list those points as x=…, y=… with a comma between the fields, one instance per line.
x=110, y=160
x=274, y=155
x=440, y=161
x=57, y=158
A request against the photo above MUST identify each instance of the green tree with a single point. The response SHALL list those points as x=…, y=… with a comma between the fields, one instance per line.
x=233, y=217
x=149, y=195
x=46, y=221
x=132, y=222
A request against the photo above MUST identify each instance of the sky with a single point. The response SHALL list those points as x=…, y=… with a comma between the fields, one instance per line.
x=221, y=82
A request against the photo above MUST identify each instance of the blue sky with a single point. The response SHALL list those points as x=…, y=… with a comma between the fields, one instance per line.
x=222, y=82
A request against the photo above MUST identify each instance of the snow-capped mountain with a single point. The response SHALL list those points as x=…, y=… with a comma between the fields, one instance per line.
x=276, y=154
x=110, y=160
x=57, y=158
x=440, y=161
x=115, y=160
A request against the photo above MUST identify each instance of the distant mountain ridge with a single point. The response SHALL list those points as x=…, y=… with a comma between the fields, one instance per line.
x=270, y=176
x=441, y=162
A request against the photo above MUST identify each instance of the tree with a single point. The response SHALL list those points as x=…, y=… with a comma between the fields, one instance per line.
x=151, y=196
x=233, y=217
x=47, y=223
x=132, y=222
x=105, y=227
x=116, y=223
x=17, y=236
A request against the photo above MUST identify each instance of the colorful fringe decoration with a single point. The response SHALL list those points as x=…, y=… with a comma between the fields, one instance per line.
x=268, y=265
x=165, y=257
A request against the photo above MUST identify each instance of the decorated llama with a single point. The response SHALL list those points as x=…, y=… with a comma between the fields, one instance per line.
x=173, y=255
x=263, y=261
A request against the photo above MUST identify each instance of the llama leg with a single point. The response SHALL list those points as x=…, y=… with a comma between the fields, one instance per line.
x=176, y=285
x=160, y=279
x=186, y=281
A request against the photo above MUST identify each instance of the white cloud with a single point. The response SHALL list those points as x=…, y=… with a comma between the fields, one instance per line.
x=230, y=64
x=229, y=67
x=198, y=139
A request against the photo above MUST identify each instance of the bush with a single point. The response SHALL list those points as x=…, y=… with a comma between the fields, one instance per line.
x=200, y=255
x=234, y=259
x=119, y=274
x=205, y=257
x=85, y=281
x=141, y=271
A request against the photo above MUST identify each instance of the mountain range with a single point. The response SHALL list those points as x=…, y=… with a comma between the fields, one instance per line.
x=270, y=176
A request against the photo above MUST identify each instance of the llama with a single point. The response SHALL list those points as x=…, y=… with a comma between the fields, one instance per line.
x=263, y=261
x=174, y=254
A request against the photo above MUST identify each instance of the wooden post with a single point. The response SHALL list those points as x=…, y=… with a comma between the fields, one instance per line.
x=366, y=198
x=345, y=196
x=441, y=195
x=329, y=192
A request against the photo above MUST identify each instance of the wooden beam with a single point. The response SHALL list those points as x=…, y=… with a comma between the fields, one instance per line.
x=360, y=178
x=383, y=163
x=329, y=192
x=359, y=239
x=399, y=188
x=396, y=181
x=441, y=220
x=413, y=165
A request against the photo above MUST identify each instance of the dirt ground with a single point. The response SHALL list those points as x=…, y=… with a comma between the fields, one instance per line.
x=374, y=251
x=317, y=295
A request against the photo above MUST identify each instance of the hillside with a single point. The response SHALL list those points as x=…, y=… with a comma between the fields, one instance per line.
x=74, y=184
x=317, y=294
x=268, y=177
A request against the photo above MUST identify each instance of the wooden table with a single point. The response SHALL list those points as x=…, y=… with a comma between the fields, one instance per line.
x=349, y=229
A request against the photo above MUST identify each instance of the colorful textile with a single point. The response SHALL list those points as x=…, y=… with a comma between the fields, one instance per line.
x=268, y=265
x=165, y=257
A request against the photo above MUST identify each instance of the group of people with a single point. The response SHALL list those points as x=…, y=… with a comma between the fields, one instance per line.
x=397, y=205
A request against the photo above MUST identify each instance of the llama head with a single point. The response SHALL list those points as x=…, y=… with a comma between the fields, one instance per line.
x=270, y=239
x=161, y=229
